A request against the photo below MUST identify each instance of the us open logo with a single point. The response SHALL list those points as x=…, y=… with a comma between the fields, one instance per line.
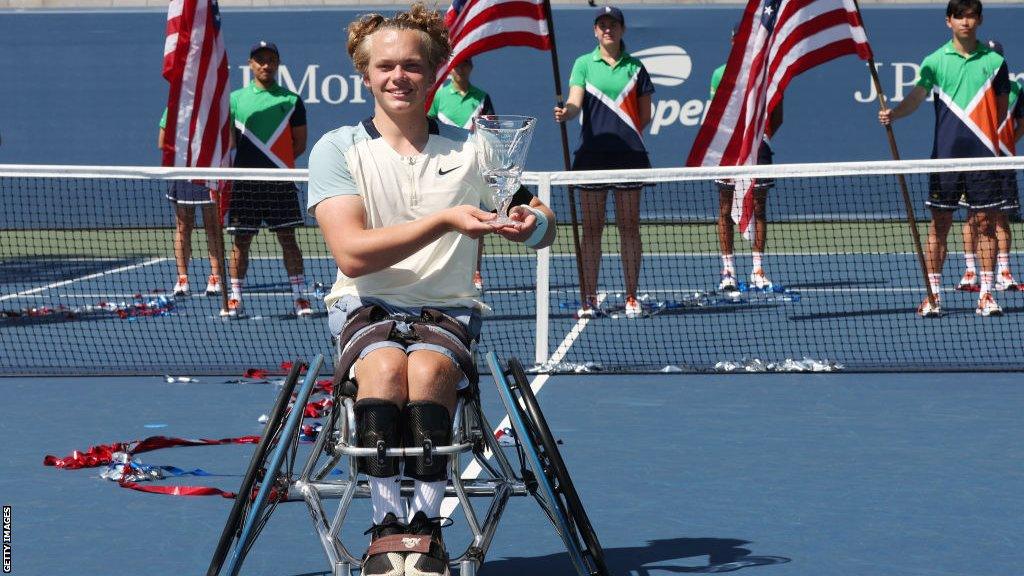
x=670, y=65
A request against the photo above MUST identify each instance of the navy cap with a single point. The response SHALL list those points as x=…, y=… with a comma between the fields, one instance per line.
x=264, y=45
x=611, y=12
x=996, y=46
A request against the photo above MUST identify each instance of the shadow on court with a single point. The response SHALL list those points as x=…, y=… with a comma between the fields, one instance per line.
x=658, y=556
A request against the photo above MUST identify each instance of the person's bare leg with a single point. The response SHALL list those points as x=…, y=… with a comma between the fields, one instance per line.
x=214, y=239
x=185, y=217
x=627, y=217
x=593, y=203
x=240, y=256
x=290, y=251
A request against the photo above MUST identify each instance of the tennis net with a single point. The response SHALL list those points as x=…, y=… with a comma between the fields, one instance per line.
x=87, y=266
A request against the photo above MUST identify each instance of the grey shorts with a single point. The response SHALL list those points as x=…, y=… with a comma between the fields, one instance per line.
x=338, y=314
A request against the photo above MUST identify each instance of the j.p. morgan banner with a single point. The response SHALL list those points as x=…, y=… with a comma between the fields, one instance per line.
x=85, y=88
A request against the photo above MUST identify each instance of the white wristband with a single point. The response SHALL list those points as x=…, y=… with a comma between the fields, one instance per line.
x=540, y=230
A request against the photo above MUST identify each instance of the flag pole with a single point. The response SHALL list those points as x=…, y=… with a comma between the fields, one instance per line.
x=225, y=276
x=560, y=102
x=894, y=150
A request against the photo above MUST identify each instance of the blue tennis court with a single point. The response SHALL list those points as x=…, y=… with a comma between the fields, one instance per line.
x=837, y=474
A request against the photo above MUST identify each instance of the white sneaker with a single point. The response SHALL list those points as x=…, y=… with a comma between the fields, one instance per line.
x=213, y=286
x=234, y=309
x=968, y=282
x=987, y=306
x=302, y=307
x=181, y=287
x=588, y=309
x=929, y=310
x=728, y=283
x=759, y=280
x=1005, y=281
x=633, y=308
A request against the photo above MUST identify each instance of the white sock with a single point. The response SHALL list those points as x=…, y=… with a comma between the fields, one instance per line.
x=1002, y=262
x=298, y=283
x=236, y=288
x=386, y=496
x=970, y=260
x=936, y=283
x=427, y=496
x=758, y=256
x=728, y=264
x=986, y=282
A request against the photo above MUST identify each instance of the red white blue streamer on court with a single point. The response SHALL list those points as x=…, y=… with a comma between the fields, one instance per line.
x=128, y=472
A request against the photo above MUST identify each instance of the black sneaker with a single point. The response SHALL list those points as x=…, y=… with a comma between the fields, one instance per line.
x=435, y=562
x=385, y=563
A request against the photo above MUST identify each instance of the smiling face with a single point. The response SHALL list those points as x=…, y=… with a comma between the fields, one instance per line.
x=608, y=32
x=263, y=64
x=398, y=73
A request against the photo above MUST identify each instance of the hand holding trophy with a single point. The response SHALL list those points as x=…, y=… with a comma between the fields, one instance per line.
x=501, y=144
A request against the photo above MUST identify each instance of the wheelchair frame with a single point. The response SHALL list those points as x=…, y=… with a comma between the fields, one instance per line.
x=541, y=473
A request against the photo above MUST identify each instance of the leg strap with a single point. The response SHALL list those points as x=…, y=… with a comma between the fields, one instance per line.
x=378, y=426
x=427, y=425
x=441, y=329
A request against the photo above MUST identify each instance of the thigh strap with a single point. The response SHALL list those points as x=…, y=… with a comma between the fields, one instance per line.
x=371, y=324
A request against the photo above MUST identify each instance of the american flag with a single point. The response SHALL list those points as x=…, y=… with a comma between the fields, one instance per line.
x=775, y=41
x=196, y=65
x=476, y=26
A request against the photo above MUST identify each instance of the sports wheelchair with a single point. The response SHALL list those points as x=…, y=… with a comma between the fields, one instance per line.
x=535, y=469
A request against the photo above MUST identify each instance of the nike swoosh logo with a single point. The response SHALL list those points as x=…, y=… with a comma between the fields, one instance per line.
x=442, y=172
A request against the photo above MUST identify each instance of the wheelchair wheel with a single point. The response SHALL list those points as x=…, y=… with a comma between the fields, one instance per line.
x=264, y=485
x=545, y=471
x=564, y=485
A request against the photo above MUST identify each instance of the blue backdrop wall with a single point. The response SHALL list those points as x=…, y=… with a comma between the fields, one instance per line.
x=85, y=88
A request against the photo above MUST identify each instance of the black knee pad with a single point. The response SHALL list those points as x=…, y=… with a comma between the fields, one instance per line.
x=378, y=426
x=427, y=423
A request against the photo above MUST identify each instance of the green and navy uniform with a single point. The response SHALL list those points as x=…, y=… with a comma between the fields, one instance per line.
x=764, y=151
x=185, y=192
x=263, y=122
x=611, y=134
x=965, y=90
x=456, y=109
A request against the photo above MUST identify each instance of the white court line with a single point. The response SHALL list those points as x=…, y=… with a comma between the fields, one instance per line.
x=473, y=469
x=88, y=277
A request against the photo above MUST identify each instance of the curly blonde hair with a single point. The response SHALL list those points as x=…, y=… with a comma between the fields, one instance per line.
x=429, y=23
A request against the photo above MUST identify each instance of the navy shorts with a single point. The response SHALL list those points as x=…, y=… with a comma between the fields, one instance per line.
x=984, y=190
x=338, y=314
x=764, y=158
x=1011, y=193
x=254, y=203
x=626, y=160
x=188, y=193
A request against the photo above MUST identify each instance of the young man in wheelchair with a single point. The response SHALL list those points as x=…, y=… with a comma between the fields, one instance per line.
x=400, y=202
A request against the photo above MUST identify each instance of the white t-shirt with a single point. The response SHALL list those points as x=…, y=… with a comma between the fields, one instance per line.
x=395, y=189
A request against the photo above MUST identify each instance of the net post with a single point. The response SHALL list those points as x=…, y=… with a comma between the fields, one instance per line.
x=543, y=281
